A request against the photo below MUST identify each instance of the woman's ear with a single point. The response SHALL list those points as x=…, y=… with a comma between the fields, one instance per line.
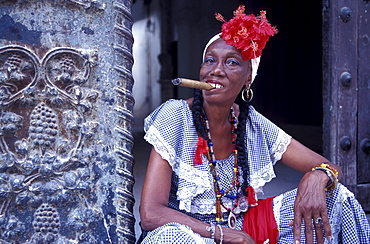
x=249, y=81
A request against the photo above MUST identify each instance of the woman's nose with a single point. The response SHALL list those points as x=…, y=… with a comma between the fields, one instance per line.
x=218, y=69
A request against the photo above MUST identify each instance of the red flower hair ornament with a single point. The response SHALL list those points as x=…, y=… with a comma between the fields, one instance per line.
x=247, y=33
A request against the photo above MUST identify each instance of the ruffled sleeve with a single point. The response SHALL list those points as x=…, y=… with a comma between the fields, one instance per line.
x=170, y=130
x=166, y=128
x=266, y=143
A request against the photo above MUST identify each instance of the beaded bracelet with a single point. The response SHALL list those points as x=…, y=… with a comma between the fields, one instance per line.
x=211, y=228
x=331, y=173
x=221, y=234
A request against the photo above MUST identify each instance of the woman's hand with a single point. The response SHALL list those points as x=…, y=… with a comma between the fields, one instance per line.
x=310, y=204
x=310, y=207
x=234, y=237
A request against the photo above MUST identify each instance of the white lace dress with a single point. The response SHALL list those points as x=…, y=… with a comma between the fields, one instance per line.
x=171, y=131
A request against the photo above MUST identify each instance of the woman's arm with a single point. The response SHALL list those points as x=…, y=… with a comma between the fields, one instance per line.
x=154, y=210
x=310, y=203
x=303, y=159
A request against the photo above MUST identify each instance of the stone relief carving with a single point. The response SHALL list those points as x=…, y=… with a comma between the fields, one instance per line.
x=49, y=166
x=86, y=4
x=99, y=4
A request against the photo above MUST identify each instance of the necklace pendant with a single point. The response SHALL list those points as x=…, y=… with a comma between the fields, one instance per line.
x=243, y=204
x=231, y=221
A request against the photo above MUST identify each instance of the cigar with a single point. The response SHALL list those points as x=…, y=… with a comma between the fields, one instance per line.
x=191, y=83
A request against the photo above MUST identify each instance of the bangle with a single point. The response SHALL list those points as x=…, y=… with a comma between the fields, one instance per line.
x=212, y=230
x=326, y=166
x=331, y=173
x=221, y=234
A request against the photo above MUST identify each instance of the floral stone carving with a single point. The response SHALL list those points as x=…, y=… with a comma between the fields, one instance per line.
x=51, y=164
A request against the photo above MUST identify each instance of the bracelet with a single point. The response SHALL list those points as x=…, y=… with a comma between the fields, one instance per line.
x=331, y=173
x=212, y=230
x=326, y=166
x=221, y=234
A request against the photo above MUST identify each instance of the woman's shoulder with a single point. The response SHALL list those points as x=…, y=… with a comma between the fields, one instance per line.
x=254, y=113
x=172, y=113
x=264, y=129
x=170, y=108
x=170, y=129
x=173, y=104
x=259, y=120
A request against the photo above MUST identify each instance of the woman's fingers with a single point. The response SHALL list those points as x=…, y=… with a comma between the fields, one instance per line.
x=310, y=207
x=308, y=229
x=318, y=225
x=326, y=225
x=297, y=224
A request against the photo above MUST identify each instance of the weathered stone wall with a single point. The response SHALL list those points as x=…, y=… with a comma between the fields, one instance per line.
x=66, y=121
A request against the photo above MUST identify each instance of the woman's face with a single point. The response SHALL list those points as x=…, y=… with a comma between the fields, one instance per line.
x=224, y=68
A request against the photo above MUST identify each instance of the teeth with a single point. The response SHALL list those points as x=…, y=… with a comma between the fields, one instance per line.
x=216, y=85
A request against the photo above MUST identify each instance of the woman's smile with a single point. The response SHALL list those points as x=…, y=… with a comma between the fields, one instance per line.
x=215, y=84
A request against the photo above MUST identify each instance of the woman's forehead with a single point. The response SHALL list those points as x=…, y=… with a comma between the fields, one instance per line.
x=221, y=44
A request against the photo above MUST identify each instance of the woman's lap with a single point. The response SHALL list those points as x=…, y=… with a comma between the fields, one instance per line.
x=347, y=219
x=174, y=233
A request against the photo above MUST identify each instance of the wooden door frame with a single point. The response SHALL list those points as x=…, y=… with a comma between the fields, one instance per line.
x=342, y=77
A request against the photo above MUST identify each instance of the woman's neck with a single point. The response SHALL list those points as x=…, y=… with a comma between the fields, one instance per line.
x=217, y=115
x=220, y=115
x=220, y=130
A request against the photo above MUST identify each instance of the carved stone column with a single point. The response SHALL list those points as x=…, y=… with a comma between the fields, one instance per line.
x=66, y=121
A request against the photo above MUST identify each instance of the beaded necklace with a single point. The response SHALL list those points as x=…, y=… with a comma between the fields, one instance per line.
x=235, y=182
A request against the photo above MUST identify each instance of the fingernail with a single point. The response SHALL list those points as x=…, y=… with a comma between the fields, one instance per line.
x=297, y=242
x=329, y=238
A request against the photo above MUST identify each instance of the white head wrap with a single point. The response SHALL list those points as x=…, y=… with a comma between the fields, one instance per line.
x=255, y=62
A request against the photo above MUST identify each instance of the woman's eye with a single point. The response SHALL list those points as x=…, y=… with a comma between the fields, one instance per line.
x=209, y=60
x=233, y=62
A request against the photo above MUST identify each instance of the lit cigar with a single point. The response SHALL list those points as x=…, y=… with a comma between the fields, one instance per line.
x=191, y=83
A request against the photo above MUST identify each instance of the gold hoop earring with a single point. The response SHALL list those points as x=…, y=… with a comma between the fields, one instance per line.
x=248, y=95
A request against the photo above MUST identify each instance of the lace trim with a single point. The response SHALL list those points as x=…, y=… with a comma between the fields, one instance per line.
x=204, y=207
x=335, y=216
x=259, y=178
x=153, y=137
x=199, y=181
x=277, y=202
x=196, y=181
x=206, y=204
x=262, y=176
x=279, y=148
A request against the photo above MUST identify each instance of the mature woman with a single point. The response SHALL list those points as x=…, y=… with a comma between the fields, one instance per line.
x=213, y=153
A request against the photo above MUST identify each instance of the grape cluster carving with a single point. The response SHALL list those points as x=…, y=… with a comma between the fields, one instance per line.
x=43, y=126
x=46, y=222
x=14, y=62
